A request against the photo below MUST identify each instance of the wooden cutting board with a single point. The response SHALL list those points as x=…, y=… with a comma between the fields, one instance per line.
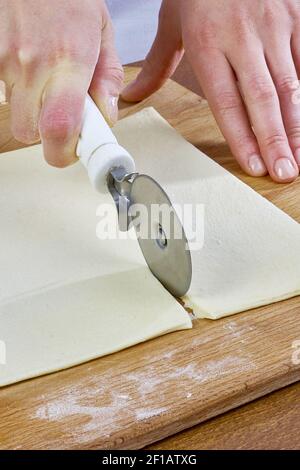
x=143, y=394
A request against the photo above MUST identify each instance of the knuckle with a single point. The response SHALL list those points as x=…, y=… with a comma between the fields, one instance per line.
x=27, y=57
x=269, y=14
x=116, y=73
x=109, y=70
x=227, y=102
x=294, y=132
x=206, y=34
x=242, y=29
x=55, y=55
x=274, y=140
x=287, y=85
x=67, y=54
x=260, y=89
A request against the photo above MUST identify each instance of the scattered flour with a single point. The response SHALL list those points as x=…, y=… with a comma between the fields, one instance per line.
x=237, y=331
x=149, y=413
x=149, y=379
x=117, y=405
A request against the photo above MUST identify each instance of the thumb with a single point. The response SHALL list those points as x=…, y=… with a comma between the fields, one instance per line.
x=108, y=77
x=162, y=60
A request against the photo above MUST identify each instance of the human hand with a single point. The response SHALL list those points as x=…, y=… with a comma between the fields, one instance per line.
x=246, y=57
x=49, y=60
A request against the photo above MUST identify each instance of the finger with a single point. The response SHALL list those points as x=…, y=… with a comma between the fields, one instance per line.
x=263, y=106
x=108, y=76
x=295, y=47
x=285, y=77
x=25, y=106
x=162, y=60
x=24, y=94
x=219, y=85
x=61, y=115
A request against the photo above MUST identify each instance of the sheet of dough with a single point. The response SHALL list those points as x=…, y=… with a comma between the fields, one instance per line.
x=62, y=327
x=251, y=252
x=65, y=296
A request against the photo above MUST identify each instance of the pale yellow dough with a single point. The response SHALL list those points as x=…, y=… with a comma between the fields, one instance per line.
x=251, y=252
x=66, y=297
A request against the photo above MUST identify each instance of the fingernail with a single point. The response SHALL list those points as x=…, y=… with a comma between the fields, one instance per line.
x=285, y=169
x=257, y=166
x=111, y=109
x=297, y=157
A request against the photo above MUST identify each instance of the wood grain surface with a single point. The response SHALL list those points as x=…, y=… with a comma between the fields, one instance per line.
x=156, y=389
x=272, y=422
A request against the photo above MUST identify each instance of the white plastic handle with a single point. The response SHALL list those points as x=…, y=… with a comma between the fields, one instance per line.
x=98, y=149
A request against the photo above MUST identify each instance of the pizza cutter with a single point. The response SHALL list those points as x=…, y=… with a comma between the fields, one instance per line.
x=111, y=168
